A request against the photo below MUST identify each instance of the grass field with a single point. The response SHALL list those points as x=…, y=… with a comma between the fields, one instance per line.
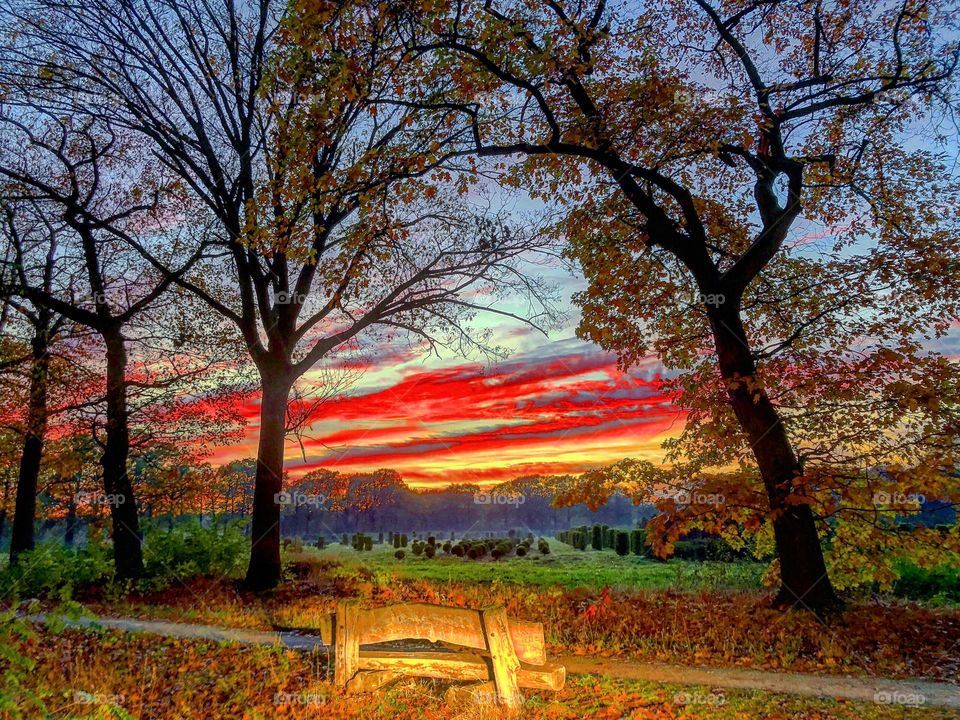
x=563, y=567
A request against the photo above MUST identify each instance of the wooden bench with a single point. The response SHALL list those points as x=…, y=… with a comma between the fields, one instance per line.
x=489, y=647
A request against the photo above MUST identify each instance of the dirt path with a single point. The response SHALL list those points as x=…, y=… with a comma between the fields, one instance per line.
x=921, y=692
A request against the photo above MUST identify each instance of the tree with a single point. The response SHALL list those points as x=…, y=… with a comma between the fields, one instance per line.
x=44, y=327
x=312, y=186
x=33, y=428
x=73, y=179
x=743, y=197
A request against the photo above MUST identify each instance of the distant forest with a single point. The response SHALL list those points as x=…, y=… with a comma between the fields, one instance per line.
x=327, y=504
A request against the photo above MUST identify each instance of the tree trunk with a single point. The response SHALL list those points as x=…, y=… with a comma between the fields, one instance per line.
x=263, y=572
x=127, y=550
x=69, y=534
x=25, y=509
x=803, y=573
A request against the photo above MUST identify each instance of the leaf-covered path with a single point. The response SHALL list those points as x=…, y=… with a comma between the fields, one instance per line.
x=927, y=693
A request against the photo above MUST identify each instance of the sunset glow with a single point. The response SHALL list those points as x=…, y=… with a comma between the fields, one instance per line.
x=562, y=407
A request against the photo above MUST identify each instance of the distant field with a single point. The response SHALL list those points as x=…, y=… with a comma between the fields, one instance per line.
x=563, y=567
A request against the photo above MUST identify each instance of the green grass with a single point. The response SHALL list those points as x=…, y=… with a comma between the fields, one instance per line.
x=563, y=567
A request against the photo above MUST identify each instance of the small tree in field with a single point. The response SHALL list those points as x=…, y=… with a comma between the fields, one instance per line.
x=745, y=197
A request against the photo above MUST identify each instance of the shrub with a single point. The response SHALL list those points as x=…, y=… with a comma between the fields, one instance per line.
x=187, y=550
x=54, y=569
x=190, y=549
x=521, y=551
x=544, y=547
x=431, y=540
x=637, y=541
x=321, y=542
x=380, y=539
x=403, y=540
x=596, y=538
x=343, y=539
x=457, y=550
x=622, y=543
x=368, y=542
x=473, y=553
x=430, y=551
x=709, y=548
x=396, y=541
x=938, y=584
x=417, y=548
x=447, y=546
x=581, y=543
x=399, y=554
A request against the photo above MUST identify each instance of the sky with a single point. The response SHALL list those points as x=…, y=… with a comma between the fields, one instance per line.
x=555, y=405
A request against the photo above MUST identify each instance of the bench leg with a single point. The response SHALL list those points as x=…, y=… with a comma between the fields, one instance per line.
x=346, y=658
x=496, y=629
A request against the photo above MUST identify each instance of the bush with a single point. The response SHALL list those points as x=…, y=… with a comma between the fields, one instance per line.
x=321, y=542
x=431, y=540
x=53, y=569
x=403, y=540
x=622, y=540
x=457, y=550
x=939, y=584
x=473, y=553
x=190, y=550
x=521, y=551
x=637, y=541
x=544, y=547
x=430, y=551
x=417, y=549
x=399, y=554
x=396, y=541
x=368, y=543
x=596, y=538
x=710, y=548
